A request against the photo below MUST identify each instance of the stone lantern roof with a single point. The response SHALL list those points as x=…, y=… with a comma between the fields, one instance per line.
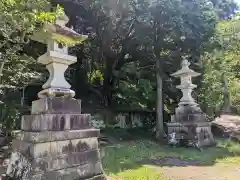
x=185, y=71
x=59, y=32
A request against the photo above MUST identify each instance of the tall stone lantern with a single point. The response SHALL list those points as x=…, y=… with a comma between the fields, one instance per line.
x=189, y=123
x=57, y=58
x=56, y=141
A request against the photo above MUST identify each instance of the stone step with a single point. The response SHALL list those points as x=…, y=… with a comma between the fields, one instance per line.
x=48, y=164
x=91, y=171
x=49, y=136
x=55, y=122
x=56, y=105
x=46, y=149
x=88, y=170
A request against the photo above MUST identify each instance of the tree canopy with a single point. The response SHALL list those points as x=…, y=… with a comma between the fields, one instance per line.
x=223, y=60
x=133, y=47
x=18, y=20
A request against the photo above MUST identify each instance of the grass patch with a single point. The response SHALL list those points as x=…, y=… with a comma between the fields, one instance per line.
x=143, y=173
x=234, y=150
x=123, y=160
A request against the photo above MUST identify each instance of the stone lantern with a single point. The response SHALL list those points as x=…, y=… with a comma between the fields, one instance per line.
x=189, y=123
x=57, y=58
x=185, y=74
x=56, y=140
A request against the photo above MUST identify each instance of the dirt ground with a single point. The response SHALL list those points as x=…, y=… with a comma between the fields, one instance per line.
x=175, y=169
x=216, y=172
x=182, y=170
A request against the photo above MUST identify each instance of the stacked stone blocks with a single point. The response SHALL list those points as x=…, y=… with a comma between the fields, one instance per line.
x=189, y=124
x=58, y=142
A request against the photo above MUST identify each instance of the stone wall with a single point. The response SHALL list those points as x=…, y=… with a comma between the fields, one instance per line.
x=123, y=120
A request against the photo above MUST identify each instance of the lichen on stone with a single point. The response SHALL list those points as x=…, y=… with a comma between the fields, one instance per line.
x=19, y=167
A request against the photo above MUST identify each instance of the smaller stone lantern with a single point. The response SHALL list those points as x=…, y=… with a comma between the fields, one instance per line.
x=57, y=58
x=189, y=123
x=185, y=74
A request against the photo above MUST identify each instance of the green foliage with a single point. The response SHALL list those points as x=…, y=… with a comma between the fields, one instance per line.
x=128, y=134
x=69, y=41
x=119, y=57
x=143, y=173
x=47, y=16
x=134, y=88
x=117, y=64
x=95, y=76
x=224, y=59
x=225, y=8
x=19, y=19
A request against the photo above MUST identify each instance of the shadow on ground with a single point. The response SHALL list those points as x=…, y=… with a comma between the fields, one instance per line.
x=135, y=154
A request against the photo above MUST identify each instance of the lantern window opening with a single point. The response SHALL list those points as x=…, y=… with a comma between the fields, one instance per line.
x=60, y=46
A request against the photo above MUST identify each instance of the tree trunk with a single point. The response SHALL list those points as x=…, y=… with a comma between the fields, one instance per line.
x=1, y=74
x=159, y=120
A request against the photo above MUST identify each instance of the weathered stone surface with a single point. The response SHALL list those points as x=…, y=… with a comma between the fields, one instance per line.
x=196, y=134
x=55, y=122
x=188, y=124
x=189, y=113
x=97, y=177
x=52, y=163
x=85, y=172
x=49, y=136
x=30, y=150
x=56, y=105
x=227, y=126
x=56, y=143
x=74, y=146
x=19, y=166
x=56, y=148
x=192, y=129
x=45, y=159
x=80, y=122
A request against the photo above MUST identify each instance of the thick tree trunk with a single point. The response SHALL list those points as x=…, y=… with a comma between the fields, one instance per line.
x=159, y=120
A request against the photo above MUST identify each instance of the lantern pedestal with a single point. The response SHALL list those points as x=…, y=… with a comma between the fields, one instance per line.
x=189, y=126
x=56, y=142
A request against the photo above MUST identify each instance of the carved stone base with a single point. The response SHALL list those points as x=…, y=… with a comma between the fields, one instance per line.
x=191, y=134
x=56, y=143
x=189, y=125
